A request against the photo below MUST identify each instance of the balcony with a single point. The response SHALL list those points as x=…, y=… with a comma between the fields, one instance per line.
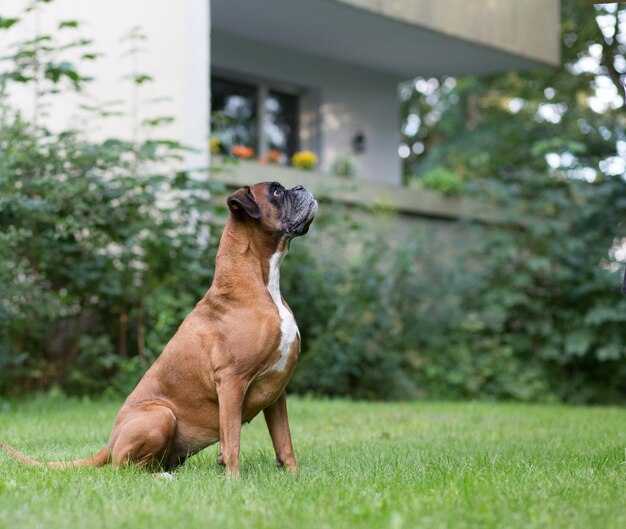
x=358, y=193
x=404, y=38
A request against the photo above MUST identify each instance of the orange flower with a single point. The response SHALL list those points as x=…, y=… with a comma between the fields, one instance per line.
x=275, y=157
x=241, y=151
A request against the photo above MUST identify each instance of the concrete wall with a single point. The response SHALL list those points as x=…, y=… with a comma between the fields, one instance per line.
x=349, y=100
x=374, y=196
x=529, y=28
x=175, y=53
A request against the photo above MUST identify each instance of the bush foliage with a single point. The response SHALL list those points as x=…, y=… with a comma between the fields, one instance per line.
x=92, y=271
x=526, y=309
x=102, y=245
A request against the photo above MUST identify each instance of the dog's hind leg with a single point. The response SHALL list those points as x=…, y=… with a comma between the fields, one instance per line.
x=220, y=457
x=145, y=437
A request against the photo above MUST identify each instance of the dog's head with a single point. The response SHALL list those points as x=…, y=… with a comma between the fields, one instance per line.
x=285, y=212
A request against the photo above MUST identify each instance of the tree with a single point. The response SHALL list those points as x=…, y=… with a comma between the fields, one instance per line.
x=549, y=146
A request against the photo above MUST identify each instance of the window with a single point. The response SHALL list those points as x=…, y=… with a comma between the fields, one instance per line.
x=255, y=116
x=280, y=126
x=234, y=109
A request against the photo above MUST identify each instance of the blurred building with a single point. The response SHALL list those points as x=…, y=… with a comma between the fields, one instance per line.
x=323, y=75
x=280, y=76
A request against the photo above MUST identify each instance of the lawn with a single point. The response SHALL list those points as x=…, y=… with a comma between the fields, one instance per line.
x=361, y=465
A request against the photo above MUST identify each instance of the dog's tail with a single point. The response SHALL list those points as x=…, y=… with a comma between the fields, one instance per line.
x=97, y=460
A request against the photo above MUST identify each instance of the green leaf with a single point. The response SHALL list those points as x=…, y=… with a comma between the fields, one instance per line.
x=6, y=23
x=68, y=24
x=155, y=122
x=577, y=342
x=605, y=314
x=142, y=78
x=611, y=351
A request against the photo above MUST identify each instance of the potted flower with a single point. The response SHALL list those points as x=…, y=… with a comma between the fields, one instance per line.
x=304, y=160
x=241, y=151
x=274, y=157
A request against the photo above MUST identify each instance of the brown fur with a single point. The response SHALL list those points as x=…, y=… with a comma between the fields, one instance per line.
x=214, y=374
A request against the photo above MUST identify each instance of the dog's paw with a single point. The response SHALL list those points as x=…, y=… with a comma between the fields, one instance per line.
x=164, y=475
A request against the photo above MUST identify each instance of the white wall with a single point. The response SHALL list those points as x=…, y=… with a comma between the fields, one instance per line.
x=350, y=99
x=175, y=54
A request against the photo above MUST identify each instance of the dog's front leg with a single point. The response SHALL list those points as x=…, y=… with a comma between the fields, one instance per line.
x=230, y=393
x=278, y=426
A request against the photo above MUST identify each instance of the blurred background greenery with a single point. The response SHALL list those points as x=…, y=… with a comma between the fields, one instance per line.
x=104, y=248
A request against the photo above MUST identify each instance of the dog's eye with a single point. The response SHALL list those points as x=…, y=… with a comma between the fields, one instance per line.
x=278, y=192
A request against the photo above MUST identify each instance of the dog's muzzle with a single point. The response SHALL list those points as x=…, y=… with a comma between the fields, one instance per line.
x=302, y=210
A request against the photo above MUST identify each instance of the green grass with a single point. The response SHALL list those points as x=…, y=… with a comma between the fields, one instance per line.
x=361, y=465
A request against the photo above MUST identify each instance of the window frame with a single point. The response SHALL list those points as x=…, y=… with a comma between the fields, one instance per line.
x=307, y=136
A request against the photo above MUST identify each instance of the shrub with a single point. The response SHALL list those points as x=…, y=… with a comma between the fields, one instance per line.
x=442, y=180
x=526, y=309
x=86, y=239
x=352, y=346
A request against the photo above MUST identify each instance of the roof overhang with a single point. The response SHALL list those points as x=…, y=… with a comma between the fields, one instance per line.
x=404, y=38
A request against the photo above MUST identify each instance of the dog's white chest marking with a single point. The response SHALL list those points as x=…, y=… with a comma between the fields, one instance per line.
x=288, y=327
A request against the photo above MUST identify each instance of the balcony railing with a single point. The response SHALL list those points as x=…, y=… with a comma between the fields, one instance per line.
x=355, y=192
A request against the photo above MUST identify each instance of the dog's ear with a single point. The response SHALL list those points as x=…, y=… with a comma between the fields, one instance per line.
x=242, y=200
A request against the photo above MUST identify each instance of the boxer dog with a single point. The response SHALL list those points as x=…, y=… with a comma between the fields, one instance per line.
x=231, y=357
